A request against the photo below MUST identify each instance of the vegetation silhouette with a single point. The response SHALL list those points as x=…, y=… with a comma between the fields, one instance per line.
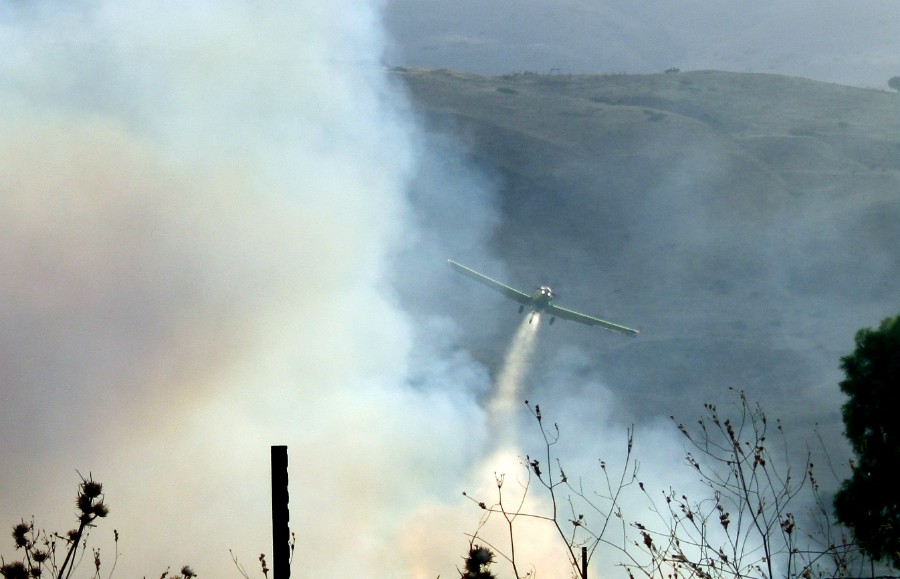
x=868, y=502
x=478, y=562
x=762, y=516
x=43, y=550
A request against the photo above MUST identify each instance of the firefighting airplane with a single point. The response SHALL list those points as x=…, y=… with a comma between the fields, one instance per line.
x=539, y=302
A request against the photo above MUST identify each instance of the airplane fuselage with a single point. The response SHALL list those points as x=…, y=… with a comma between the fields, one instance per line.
x=541, y=299
x=540, y=302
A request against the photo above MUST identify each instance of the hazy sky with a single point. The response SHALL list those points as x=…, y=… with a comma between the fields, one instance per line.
x=832, y=40
x=201, y=205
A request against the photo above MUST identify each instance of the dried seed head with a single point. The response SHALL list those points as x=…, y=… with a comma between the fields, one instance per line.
x=478, y=558
x=85, y=503
x=14, y=570
x=19, y=534
x=91, y=488
x=100, y=509
x=262, y=562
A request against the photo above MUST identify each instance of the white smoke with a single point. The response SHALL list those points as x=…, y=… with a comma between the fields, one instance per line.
x=198, y=204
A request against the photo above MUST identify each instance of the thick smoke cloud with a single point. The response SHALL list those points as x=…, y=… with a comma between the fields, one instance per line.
x=199, y=205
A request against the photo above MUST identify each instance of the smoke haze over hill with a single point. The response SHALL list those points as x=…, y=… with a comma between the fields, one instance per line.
x=738, y=220
x=831, y=41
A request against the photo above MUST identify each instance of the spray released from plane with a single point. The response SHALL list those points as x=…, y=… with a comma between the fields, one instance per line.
x=507, y=395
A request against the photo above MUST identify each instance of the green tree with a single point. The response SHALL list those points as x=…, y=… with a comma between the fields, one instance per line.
x=869, y=502
x=894, y=82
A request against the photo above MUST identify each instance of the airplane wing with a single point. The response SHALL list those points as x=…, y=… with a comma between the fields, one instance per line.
x=568, y=314
x=509, y=292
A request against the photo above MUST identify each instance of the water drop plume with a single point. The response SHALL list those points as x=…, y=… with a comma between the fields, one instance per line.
x=508, y=392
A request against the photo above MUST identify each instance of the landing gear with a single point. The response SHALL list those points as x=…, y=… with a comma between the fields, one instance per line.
x=521, y=309
x=552, y=320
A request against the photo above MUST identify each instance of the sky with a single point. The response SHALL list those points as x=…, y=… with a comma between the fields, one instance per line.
x=853, y=43
x=201, y=209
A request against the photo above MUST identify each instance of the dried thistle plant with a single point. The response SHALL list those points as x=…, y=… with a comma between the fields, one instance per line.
x=42, y=550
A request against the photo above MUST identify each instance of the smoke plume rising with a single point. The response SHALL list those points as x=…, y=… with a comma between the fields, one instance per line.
x=198, y=208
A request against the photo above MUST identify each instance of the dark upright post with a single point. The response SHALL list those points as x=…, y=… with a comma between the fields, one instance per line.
x=281, y=534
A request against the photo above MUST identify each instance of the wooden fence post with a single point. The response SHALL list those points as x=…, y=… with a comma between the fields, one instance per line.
x=281, y=533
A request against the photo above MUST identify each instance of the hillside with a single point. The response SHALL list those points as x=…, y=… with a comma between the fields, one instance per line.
x=747, y=223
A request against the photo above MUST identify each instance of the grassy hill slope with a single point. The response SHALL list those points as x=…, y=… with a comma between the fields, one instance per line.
x=747, y=223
